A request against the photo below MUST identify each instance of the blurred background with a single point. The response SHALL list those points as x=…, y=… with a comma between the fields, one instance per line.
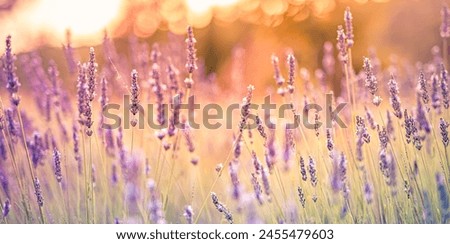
x=235, y=37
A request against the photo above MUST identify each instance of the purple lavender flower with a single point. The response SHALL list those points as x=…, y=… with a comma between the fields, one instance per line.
x=427, y=209
x=303, y=169
x=4, y=183
x=443, y=125
x=38, y=192
x=368, y=192
x=348, y=18
x=421, y=117
x=256, y=163
x=301, y=196
x=257, y=189
x=103, y=103
x=245, y=109
x=277, y=74
x=88, y=122
x=411, y=131
x=12, y=82
x=371, y=82
x=190, y=48
x=12, y=125
x=383, y=137
x=291, y=79
x=445, y=24
x=435, y=99
x=312, y=171
x=341, y=44
x=237, y=147
x=330, y=144
x=443, y=197
x=121, y=149
x=76, y=148
x=260, y=127
x=172, y=73
x=109, y=141
x=3, y=149
x=158, y=89
x=407, y=188
x=188, y=214
x=155, y=205
x=390, y=126
x=394, y=98
x=388, y=168
x=114, y=176
x=265, y=181
x=188, y=136
x=55, y=92
x=6, y=208
x=81, y=92
x=57, y=163
x=234, y=179
x=423, y=88
x=370, y=119
x=36, y=149
x=221, y=208
x=91, y=75
x=444, y=87
x=343, y=174
x=134, y=100
x=271, y=151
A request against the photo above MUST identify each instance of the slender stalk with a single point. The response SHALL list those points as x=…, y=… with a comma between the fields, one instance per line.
x=30, y=167
x=61, y=192
x=91, y=183
x=86, y=177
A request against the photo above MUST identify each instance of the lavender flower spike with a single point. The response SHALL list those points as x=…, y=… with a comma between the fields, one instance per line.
x=348, y=18
x=134, y=100
x=303, y=169
x=38, y=192
x=443, y=197
x=394, y=98
x=57, y=162
x=234, y=179
x=292, y=65
x=445, y=24
x=444, y=87
x=277, y=74
x=257, y=189
x=91, y=75
x=191, y=51
x=435, y=99
x=188, y=214
x=6, y=208
x=103, y=102
x=12, y=82
x=443, y=125
x=423, y=88
x=221, y=208
x=155, y=205
x=371, y=82
x=81, y=92
x=341, y=45
x=312, y=172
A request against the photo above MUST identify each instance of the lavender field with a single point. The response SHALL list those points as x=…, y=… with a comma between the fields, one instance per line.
x=127, y=131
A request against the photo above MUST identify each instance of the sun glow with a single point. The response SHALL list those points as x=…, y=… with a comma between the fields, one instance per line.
x=83, y=17
x=45, y=21
x=202, y=6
